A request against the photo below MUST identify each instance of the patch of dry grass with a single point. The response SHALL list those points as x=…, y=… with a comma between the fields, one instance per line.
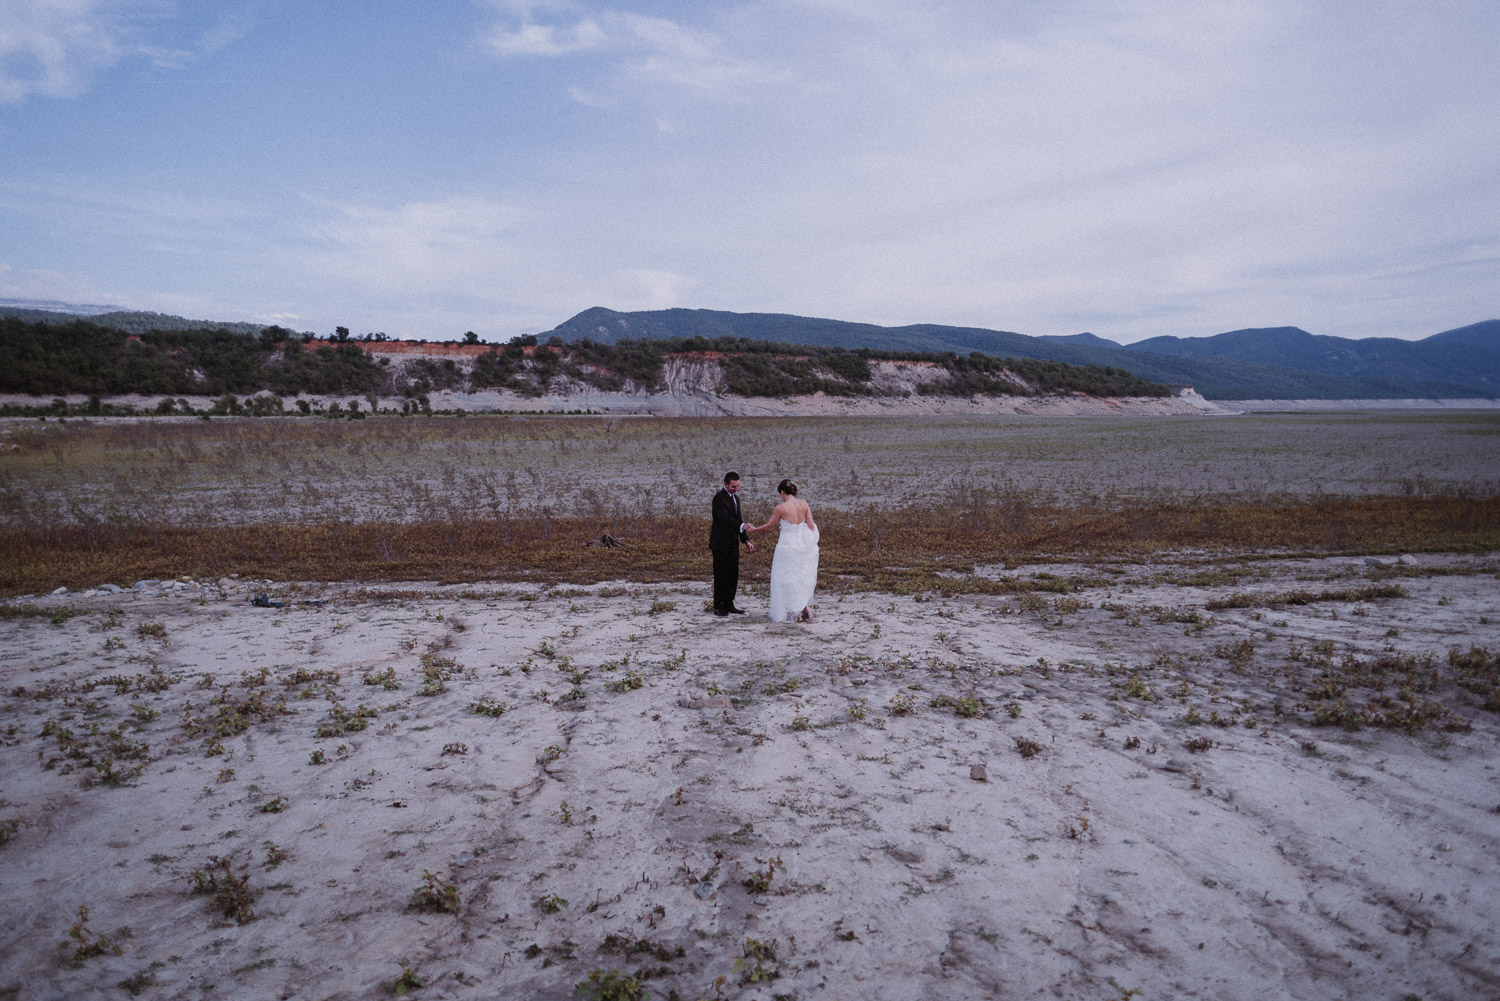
x=896, y=550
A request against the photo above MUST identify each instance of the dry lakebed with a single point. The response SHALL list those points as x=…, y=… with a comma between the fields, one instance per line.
x=1187, y=778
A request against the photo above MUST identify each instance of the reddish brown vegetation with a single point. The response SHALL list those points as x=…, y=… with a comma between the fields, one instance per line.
x=886, y=549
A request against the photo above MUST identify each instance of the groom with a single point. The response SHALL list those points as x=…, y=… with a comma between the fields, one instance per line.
x=724, y=540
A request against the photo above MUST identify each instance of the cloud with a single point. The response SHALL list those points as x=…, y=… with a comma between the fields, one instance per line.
x=41, y=284
x=642, y=46
x=1133, y=166
x=645, y=288
x=547, y=40
x=1202, y=167
x=592, y=100
x=473, y=262
x=688, y=57
x=125, y=215
x=54, y=47
x=229, y=27
x=452, y=245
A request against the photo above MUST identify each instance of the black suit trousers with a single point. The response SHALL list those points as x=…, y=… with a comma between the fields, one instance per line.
x=726, y=576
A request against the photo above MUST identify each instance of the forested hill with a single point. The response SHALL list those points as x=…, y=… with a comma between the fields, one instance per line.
x=130, y=321
x=46, y=359
x=1267, y=363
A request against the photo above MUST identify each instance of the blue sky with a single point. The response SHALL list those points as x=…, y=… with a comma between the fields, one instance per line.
x=1126, y=167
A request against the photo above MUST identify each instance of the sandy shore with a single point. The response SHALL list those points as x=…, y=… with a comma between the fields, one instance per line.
x=610, y=779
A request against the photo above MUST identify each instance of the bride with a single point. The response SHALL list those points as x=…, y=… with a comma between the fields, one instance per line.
x=794, y=568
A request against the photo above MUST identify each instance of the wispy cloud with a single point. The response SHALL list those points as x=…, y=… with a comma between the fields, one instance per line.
x=119, y=210
x=591, y=99
x=230, y=25
x=691, y=58
x=454, y=245
x=547, y=39
x=646, y=288
x=639, y=45
x=43, y=284
x=54, y=47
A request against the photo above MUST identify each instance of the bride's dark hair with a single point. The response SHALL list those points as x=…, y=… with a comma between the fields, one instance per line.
x=787, y=487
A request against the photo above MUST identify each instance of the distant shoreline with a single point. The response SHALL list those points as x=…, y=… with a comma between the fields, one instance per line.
x=587, y=400
x=680, y=401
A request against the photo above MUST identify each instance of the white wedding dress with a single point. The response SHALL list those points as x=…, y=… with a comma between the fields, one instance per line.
x=794, y=571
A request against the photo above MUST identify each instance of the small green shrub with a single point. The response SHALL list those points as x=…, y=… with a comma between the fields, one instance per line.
x=229, y=895
x=611, y=985
x=631, y=681
x=759, y=880
x=550, y=904
x=436, y=895
x=759, y=961
x=85, y=943
x=386, y=679
x=408, y=980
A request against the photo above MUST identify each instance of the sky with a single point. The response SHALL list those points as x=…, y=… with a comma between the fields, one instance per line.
x=1126, y=167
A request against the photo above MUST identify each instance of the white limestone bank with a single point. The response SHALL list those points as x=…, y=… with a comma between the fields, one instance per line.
x=710, y=404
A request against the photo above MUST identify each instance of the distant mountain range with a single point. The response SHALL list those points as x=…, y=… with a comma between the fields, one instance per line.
x=1269, y=363
x=1282, y=363
x=130, y=321
x=14, y=307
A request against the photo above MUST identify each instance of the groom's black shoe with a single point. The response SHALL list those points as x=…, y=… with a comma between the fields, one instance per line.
x=736, y=611
x=721, y=612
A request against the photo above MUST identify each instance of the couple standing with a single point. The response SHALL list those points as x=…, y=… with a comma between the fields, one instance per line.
x=794, y=567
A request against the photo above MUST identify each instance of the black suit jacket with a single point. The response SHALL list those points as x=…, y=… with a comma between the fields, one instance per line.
x=725, y=532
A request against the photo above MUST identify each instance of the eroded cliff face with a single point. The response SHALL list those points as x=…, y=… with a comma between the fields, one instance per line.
x=696, y=377
x=902, y=378
x=694, y=388
x=696, y=383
